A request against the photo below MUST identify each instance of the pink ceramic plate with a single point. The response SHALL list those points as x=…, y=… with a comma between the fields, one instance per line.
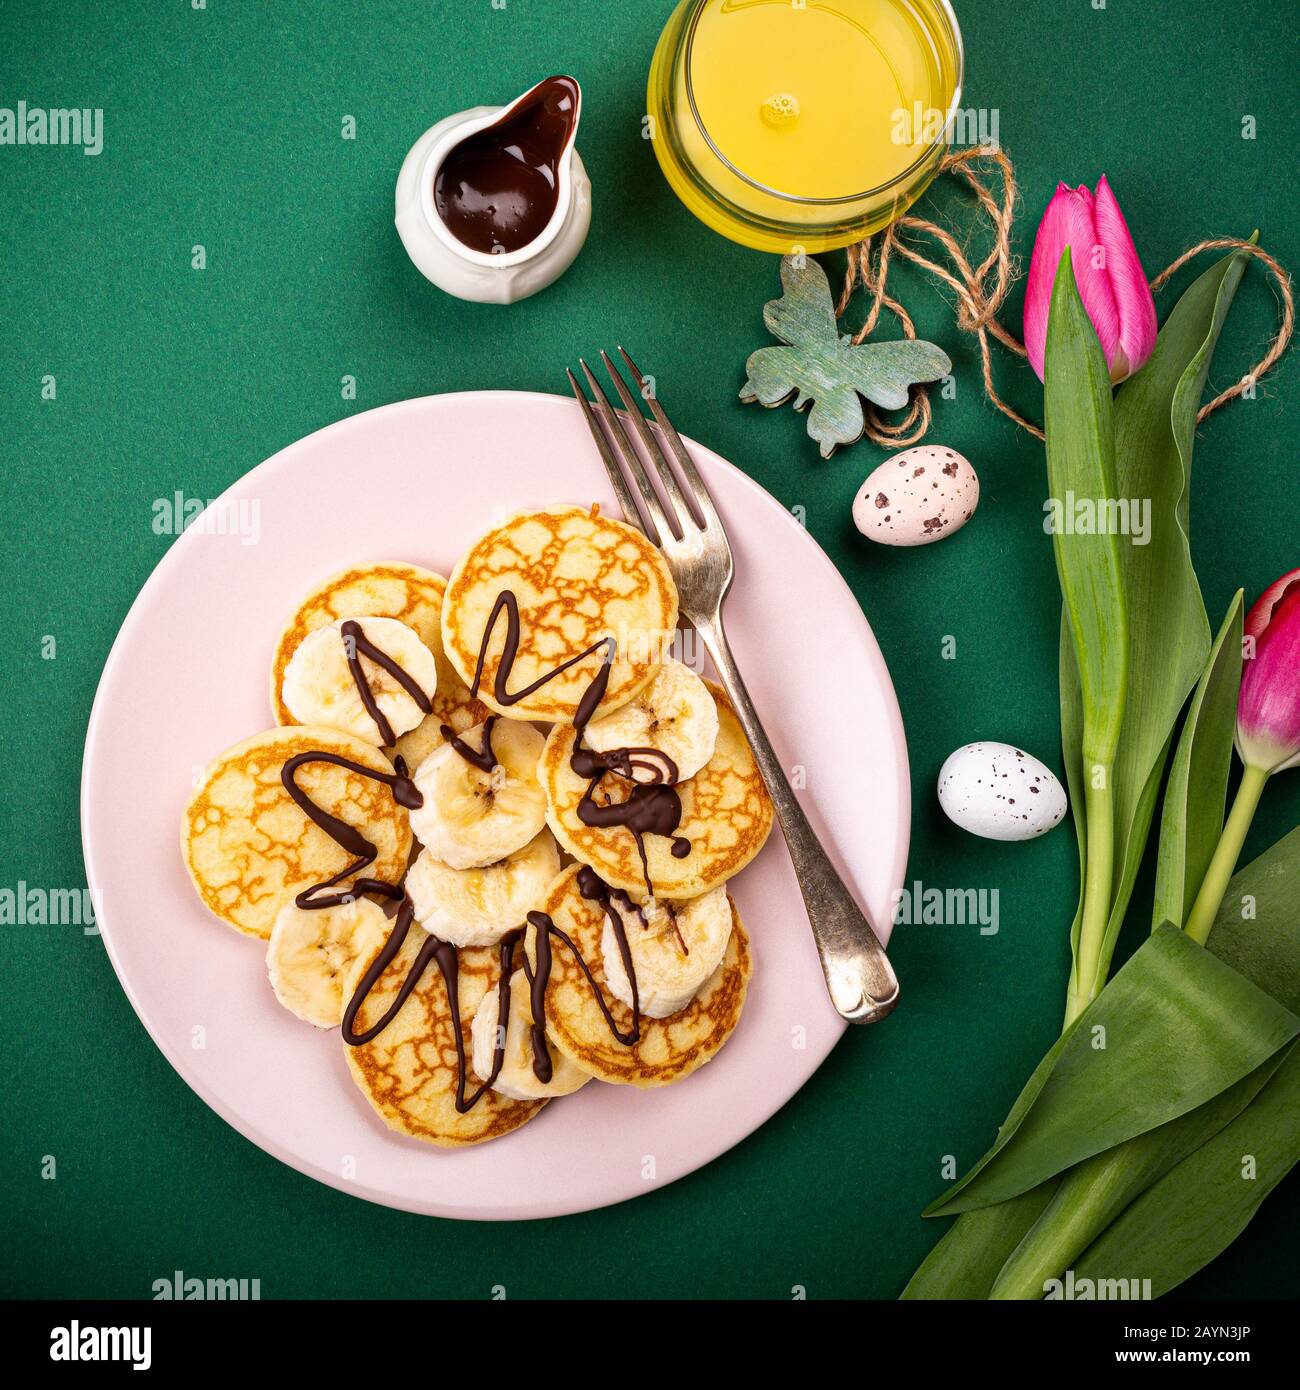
x=187, y=676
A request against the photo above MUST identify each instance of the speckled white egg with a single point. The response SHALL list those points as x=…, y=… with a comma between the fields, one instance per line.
x=916, y=497
x=1000, y=792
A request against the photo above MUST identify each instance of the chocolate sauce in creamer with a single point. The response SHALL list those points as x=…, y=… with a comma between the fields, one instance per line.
x=652, y=807
x=498, y=188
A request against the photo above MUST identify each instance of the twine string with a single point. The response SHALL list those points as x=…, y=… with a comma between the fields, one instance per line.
x=1282, y=285
x=980, y=291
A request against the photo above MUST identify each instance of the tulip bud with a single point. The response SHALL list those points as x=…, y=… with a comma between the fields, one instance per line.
x=1112, y=283
x=1268, y=708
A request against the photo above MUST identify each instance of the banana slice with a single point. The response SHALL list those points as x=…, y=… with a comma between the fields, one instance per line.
x=476, y=907
x=470, y=817
x=674, y=714
x=311, y=952
x=516, y=1078
x=668, y=977
x=319, y=687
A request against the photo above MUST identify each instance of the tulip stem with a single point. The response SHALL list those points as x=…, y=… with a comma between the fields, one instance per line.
x=1215, y=884
x=1100, y=820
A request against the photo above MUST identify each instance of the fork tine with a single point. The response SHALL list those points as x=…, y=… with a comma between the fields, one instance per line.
x=700, y=494
x=617, y=480
x=686, y=521
x=654, y=512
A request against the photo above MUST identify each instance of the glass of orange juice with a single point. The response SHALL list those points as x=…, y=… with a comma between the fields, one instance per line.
x=792, y=125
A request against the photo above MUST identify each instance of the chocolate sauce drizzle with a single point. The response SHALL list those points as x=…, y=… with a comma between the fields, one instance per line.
x=356, y=645
x=346, y=836
x=593, y=887
x=349, y=838
x=482, y=758
x=449, y=963
x=652, y=807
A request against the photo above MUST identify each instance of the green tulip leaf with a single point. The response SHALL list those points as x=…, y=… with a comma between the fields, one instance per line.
x=1081, y=466
x=1173, y=1029
x=1257, y=929
x=967, y=1261
x=1197, y=1209
x=1200, y=1207
x=1168, y=634
x=1093, y=1193
x=1192, y=819
x=822, y=368
x=1190, y=1198
x=1080, y=431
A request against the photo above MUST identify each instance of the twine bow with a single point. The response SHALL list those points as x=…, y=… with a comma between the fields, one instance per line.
x=981, y=290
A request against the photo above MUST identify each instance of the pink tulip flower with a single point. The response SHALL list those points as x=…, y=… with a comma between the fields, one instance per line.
x=1268, y=732
x=1268, y=708
x=1111, y=281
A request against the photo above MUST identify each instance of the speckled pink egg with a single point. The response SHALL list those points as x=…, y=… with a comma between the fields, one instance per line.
x=917, y=497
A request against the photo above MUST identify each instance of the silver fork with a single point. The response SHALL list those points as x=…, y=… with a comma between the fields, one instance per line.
x=860, y=979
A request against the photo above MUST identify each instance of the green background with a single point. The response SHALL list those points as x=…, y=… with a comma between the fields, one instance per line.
x=222, y=127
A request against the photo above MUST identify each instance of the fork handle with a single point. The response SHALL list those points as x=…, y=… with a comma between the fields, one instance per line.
x=861, y=981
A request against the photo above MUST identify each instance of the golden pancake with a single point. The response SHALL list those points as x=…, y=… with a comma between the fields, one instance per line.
x=408, y=1073
x=578, y=577
x=669, y=1048
x=726, y=816
x=250, y=849
x=385, y=589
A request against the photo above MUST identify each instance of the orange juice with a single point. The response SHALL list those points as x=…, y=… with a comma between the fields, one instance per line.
x=790, y=124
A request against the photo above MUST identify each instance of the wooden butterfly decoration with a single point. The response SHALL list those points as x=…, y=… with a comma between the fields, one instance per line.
x=822, y=367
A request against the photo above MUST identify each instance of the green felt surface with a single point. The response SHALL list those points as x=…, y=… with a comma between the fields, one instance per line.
x=222, y=128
